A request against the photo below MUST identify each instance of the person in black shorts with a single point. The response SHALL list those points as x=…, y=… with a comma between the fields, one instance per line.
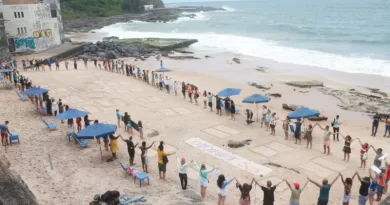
x=183, y=89
x=131, y=149
x=218, y=104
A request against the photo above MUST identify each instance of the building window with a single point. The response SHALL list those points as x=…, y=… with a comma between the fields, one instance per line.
x=16, y=16
x=18, y=30
x=22, y=14
x=25, y=30
x=53, y=13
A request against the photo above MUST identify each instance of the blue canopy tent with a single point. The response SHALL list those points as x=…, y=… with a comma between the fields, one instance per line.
x=256, y=98
x=162, y=70
x=97, y=131
x=70, y=114
x=227, y=92
x=303, y=113
x=34, y=91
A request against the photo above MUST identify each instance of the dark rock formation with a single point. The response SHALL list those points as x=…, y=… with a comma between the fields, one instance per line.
x=262, y=87
x=237, y=144
x=182, y=57
x=112, y=48
x=237, y=60
x=13, y=191
x=275, y=95
x=320, y=118
x=305, y=84
x=291, y=107
x=261, y=69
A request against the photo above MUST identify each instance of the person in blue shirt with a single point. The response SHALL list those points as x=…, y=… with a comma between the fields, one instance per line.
x=222, y=184
x=324, y=190
x=118, y=117
x=204, y=181
x=4, y=133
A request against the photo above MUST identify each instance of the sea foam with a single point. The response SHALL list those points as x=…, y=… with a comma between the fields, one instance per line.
x=212, y=42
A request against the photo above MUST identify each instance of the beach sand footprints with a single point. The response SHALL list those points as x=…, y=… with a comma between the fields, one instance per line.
x=221, y=131
x=271, y=149
x=175, y=111
x=91, y=109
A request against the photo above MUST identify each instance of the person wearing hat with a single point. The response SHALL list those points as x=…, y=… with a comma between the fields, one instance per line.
x=295, y=191
x=183, y=168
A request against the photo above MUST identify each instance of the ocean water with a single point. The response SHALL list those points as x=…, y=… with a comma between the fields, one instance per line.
x=349, y=35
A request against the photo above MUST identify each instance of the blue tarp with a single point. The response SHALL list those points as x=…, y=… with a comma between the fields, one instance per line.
x=96, y=130
x=229, y=92
x=70, y=114
x=34, y=91
x=303, y=113
x=256, y=98
x=162, y=69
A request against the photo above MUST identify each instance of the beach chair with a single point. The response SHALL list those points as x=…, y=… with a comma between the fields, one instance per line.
x=81, y=142
x=22, y=97
x=69, y=135
x=50, y=125
x=10, y=86
x=124, y=168
x=13, y=137
x=141, y=176
x=41, y=111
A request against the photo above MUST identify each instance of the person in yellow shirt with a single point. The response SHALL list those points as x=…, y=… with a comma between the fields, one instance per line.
x=114, y=145
x=162, y=158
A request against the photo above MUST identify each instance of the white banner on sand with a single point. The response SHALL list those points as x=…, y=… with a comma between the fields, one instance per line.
x=235, y=160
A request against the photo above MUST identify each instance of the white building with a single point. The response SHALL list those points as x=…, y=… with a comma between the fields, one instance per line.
x=30, y=27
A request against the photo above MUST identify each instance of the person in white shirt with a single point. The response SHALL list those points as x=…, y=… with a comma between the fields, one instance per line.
x=175, y=86
x=166, y=83
x=183, y=169
x=54, y=107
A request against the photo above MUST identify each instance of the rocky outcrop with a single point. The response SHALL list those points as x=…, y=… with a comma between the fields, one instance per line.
x=113, y=48
x=262, y=87
x=291, y=107
x=359, y=101
x=305, y=84
x=262, y=69
x=13, y=190
x=237, y=60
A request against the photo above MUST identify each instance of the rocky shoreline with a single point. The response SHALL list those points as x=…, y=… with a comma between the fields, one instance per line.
x=156, y=15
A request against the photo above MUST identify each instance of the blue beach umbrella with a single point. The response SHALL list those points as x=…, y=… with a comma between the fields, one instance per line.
x=34, y=91
x=303, y=113
x=70, y=114
x=96, y=131
x=227, y=92
x=256, y=98
x=162, y=70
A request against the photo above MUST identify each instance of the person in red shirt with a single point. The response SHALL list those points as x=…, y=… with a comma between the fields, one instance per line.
x=363, y=154
x=387, y=176
x=78, y=122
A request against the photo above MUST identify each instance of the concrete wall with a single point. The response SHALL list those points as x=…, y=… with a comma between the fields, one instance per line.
x=4, y=50
x=9, y=2
x=33, y=30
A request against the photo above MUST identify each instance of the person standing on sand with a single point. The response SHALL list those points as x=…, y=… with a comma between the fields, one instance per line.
x=222, y=184
x=196, y=96
x=54, y=107
x=114, y=146
x=232, y=110
x=175, y=87
x=153, y=79
x=245, y=198
x=189, y=91
x=285, y=126
x=268, y=191
x=327, y=134
x=118, y=117
x=144, y=156
x=210, y=101
x=295, y=192
x=381, y=183
x=66, y=64
x=95, y=62
x=267, y=119
x=378, y=156
x=183, y=169
x=324, y=190
x=57, y=65
x=387, y=128
x=218, y=104
x=140, y=129
x=4, y=133
x=308, y=135
x=183, y=89
x=274, y=119
x=204, y=181
x=363, y=154
x=166, y=83
x=375, y=124
x=347, y=188
x=130, y=149
x=204, y=99
x=364, y=189
x=60, y=108
x=297, y=133
x=75, y=63
x=347, y=146
x=162, y=158
x=336, y=127
x=264, y=113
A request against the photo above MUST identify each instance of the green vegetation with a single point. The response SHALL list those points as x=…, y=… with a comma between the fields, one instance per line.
x=72, y=9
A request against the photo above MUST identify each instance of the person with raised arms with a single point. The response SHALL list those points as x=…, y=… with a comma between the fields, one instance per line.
x=324, y=190
x=204, y=181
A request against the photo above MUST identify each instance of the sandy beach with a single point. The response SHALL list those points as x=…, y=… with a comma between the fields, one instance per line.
x=80, y=173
